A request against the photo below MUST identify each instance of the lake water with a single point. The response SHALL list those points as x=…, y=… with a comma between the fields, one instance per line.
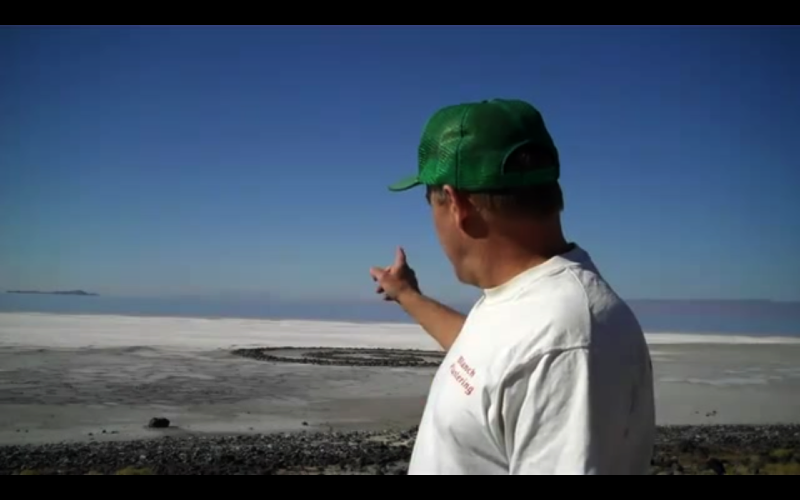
x=752, y=318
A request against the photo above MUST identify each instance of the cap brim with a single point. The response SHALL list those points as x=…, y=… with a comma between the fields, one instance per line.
x=405, y=184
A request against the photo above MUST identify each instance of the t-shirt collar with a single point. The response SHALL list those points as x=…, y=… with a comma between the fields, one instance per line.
x=510, y=288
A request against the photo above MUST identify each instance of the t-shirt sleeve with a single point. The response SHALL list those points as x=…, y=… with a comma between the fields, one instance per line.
x=546, y=416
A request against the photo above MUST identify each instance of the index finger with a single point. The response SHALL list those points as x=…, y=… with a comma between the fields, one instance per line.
x=400, y=257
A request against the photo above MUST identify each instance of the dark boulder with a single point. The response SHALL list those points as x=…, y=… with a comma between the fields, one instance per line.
x=159, y=423
x=716, y=466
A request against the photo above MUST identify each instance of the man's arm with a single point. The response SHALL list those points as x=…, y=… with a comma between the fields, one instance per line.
x=441, y=322
x=548, y=419
x=398, y=283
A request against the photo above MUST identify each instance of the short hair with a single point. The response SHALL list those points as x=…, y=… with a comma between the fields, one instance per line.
x=537, y=201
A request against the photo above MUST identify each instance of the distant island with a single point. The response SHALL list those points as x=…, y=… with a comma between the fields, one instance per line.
x=80, y=293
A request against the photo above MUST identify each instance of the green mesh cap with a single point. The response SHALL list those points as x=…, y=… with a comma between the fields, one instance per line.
x=466, y=146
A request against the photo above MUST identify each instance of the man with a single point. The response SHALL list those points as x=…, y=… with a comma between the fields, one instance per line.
x=550, y=372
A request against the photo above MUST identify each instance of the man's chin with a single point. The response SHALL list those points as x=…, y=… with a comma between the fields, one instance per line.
x=464, y=278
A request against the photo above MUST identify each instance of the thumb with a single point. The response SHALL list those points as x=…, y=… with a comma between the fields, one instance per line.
x=400, y=258
x=377, y=273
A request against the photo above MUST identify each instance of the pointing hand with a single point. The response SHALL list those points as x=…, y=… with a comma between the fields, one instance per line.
x=397, y=279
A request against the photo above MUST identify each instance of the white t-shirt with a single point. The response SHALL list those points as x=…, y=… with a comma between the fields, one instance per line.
x=551, y=375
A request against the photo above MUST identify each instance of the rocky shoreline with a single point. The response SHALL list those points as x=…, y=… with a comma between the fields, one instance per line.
x=321, y=356
x=728, y=450
x=703, y=450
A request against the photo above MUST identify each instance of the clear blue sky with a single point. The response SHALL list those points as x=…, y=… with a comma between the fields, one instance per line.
x=147, y=161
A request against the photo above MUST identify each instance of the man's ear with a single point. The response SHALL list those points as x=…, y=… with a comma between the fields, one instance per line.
x=459, y=205
x=466, y=215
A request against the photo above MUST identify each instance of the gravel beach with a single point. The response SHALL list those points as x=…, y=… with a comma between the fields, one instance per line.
x=685, y=450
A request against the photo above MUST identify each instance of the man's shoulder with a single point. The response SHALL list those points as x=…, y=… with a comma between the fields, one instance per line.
x=572, y=308
x=557, y=309
x=504, y=336
x=574, y=296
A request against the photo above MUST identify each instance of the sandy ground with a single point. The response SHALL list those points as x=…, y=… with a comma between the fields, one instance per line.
x=48, y=396
x=727, y=384
x=103, y=378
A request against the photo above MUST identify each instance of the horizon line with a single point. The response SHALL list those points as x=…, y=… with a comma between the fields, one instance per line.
x=267, y=295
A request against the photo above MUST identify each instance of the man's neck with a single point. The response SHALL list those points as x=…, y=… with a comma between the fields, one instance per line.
x=506, y=262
